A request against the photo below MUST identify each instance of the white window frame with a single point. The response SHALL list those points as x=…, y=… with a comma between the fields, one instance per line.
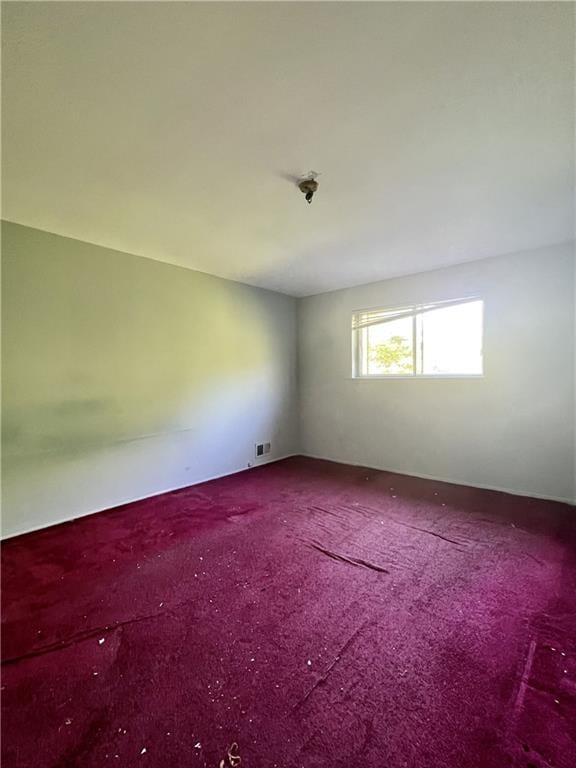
x=410, y=310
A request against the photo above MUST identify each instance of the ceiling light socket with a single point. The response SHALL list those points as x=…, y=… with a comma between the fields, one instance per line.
x=308, y=185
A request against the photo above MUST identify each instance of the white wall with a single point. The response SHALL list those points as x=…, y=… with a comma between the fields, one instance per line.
x=513, y=429
x=125, y=377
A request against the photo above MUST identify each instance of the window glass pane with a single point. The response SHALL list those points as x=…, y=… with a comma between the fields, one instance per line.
x=388, y=348
x=451, y=339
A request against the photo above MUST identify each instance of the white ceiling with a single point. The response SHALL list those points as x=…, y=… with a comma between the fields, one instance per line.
x=443, y=132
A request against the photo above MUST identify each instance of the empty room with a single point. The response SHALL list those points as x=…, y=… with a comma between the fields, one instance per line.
x=288, y=384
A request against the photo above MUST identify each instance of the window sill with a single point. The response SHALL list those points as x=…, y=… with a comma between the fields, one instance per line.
x=418, y=377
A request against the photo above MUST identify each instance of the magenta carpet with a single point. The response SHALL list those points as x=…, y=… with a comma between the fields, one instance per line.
x=312, y=613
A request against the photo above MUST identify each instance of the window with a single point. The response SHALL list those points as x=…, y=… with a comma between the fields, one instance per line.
x=439, y=339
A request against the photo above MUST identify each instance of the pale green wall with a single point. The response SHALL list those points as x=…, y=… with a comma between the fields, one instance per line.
x=124, y=377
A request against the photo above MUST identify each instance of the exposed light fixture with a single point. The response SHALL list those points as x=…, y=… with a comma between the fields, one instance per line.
x=308, y=185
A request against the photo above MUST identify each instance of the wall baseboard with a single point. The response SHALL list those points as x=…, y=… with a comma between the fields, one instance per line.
x=255, y=465
x=511, y=491
x=420, y=475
